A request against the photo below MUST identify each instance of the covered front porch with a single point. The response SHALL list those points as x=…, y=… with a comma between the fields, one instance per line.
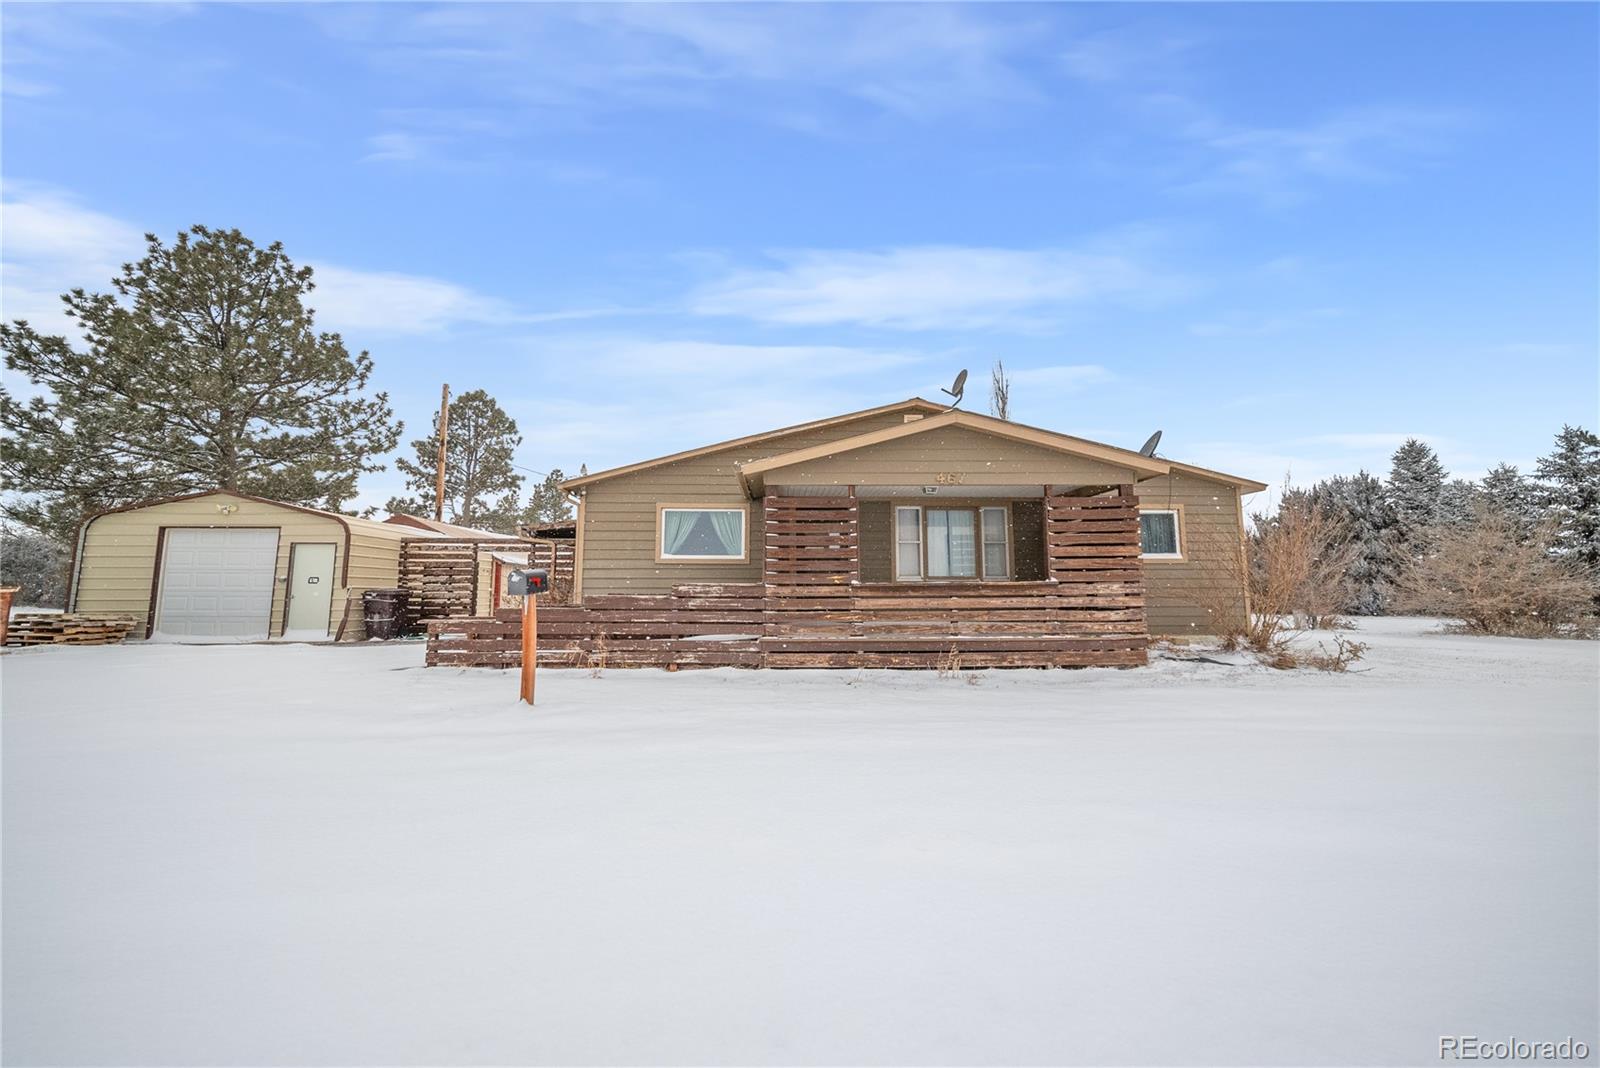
x=958, y=575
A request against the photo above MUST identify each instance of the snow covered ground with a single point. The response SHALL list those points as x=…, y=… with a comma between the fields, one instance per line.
x=314, y=855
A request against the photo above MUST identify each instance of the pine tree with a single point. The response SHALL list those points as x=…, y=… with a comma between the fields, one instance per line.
x=547, y=503
x=202, y=370
x=1361, y=504
x=1416, y=485
x=480, y=484
x=1569, y=495
x=1459, y=502
x=1508, y=493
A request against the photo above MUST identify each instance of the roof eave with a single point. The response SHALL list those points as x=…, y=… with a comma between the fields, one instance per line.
x=1109, y=454
x=586, y=480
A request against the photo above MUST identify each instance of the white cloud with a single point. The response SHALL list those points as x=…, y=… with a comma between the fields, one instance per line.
x=928, y=287
x=1279, y=163
x=804, y=67
x=51, y=243
x=387, y=302
x=660, y=396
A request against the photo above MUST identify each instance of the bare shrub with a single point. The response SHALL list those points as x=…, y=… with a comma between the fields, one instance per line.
x=1497, y=580
x=1296, y=578
x=950, y=664
x=1345, y=651
x=1298, y=560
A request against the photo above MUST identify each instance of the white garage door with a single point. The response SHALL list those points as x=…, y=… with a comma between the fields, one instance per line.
x=217, y=583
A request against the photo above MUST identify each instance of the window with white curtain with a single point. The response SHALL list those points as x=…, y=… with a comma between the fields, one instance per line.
x=951, y=543
x=952, y=540
x=1158, y=535
x=702, y=534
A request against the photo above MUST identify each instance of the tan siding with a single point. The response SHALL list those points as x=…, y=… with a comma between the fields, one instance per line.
x=877, y=541
x=619, y=514
x=976, y=456
x=116, y=567
x=1179, y=593
x=374, y=565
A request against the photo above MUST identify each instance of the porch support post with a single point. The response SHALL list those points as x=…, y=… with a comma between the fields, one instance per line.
x=1092, y=549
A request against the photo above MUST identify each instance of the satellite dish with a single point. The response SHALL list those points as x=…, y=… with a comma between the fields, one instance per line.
x=957, y=388
x=1149, y=447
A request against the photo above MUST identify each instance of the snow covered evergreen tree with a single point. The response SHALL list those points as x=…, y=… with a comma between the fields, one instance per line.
x=1507, y=492
x=202, y=370
x=1458, y=502
x=36, y=565
x=1569, y=494
x=1416, y=486
x=1361, y=504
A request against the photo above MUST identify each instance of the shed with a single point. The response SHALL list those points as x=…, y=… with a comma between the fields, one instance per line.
x=224, y=566
x=449, y=530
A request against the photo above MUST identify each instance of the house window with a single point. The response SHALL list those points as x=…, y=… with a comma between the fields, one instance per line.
x=951, y=538
x=908, y=543
x=994, y=543
x=702, y=533
x=1158, y=535
x=951, y=543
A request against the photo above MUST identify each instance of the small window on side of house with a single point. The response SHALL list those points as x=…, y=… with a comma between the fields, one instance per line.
x=702, y=534
x=1158, y=535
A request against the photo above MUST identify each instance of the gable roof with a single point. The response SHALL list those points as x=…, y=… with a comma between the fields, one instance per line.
x=935, y=415
x=914, y=404
x=983, y=424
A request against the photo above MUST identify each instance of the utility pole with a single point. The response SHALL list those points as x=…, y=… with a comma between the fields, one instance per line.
x=444, y=437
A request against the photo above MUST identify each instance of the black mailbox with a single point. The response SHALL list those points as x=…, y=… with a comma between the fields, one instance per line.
x=533, y=580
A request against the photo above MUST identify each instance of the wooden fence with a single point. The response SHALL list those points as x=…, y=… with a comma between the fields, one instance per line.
x=444, y=575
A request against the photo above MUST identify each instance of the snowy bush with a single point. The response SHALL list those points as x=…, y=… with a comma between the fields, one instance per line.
x=37, y=565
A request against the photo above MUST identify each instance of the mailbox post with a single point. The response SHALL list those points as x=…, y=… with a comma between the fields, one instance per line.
x=529, y=584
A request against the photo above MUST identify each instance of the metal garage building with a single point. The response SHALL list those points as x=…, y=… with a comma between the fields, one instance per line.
x=225, y=566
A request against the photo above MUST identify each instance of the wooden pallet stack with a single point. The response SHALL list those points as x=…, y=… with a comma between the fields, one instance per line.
x=65, y=628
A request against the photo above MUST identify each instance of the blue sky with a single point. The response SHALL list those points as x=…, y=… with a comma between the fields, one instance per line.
x=1289, y=235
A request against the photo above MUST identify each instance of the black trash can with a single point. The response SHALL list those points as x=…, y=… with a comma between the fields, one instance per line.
x=384, y=612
